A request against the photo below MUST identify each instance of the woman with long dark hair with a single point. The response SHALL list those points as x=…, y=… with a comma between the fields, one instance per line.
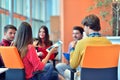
x=44, y=42
x=32, y=63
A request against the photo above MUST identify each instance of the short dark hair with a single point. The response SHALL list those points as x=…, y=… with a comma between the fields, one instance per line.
x=81, y=30
x=9, y=27
x=92, y=21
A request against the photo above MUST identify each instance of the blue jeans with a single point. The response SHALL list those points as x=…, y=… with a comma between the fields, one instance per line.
x=61, y=67
x=47, y=74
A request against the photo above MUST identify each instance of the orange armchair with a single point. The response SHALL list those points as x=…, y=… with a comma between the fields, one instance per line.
x=100, y=63
x=12, y=60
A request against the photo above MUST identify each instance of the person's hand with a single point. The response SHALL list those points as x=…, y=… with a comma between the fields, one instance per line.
x=73, y=43
x=35, y=43
x=40, y=54
x=12, y=43
x=54, y=50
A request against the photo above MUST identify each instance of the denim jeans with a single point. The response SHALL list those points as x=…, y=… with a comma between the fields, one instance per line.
x=48, y=73
x=61, y=67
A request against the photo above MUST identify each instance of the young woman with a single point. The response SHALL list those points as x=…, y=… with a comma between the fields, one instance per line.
x=44, y=43
x=35, y=69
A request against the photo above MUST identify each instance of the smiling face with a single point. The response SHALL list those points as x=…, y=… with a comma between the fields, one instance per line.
x=42, y=33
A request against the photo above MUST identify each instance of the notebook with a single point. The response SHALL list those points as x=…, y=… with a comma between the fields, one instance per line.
x=67, y=56
x=57, y=44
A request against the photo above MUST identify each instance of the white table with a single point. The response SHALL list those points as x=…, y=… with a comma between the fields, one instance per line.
x=3, y=70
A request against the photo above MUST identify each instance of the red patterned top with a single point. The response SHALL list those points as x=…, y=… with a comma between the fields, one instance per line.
x=43, y=50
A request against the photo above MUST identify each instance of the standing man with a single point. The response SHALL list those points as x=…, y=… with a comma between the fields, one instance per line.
x=9, y=35
x=77, y=34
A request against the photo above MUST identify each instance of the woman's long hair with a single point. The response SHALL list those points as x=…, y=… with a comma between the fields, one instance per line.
x=23, y=38
x=46, y=39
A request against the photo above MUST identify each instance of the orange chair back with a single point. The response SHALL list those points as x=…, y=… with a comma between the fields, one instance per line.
x=101, y=56
x=11, y=57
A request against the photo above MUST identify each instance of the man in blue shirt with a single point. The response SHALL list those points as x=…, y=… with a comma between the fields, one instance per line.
x=77, y=34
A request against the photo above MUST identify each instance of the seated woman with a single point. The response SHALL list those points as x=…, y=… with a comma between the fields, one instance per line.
x=43, y=43
x=35, y=69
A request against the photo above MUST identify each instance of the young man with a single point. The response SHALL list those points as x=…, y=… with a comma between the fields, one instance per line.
x=9, y=34
x=92, y=27
x=77, y=34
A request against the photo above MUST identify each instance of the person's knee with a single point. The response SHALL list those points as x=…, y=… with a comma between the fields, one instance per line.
x=60, y=65
x=49, y=66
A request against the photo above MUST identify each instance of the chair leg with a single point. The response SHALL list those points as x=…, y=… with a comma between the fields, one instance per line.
x=72, y=73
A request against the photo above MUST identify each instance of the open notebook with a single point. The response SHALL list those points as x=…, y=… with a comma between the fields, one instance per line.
x=57, y=44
